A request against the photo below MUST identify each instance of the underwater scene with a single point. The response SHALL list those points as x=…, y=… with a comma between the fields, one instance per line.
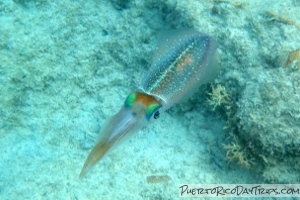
x=130, y=99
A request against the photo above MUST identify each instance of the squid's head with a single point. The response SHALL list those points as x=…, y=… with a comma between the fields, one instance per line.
x=138, y=110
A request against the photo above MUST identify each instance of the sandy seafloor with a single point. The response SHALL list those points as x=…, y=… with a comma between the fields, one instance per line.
x=66, y=66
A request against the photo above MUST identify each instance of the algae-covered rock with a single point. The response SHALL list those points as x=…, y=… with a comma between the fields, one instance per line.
x=269, y=113
x=269, y=118
x=261, y=78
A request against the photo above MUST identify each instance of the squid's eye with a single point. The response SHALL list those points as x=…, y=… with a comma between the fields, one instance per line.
x=156, y=115
x=152, y=110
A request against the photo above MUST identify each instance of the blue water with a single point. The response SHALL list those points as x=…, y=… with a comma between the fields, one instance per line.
x=67, y=66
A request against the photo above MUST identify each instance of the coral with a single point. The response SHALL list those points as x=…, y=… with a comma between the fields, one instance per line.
x=294, y=59
x=153, y=179
x=218, y=97
x=238, y=4
x=236, y=152
x=279, y=18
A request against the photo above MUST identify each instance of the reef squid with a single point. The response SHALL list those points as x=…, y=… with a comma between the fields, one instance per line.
x=183, y=60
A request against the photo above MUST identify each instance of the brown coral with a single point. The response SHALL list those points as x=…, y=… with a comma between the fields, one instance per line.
x=294, y=59
x=218, y=97
x=158, y=179
x=279, y=18
x=235, y=152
